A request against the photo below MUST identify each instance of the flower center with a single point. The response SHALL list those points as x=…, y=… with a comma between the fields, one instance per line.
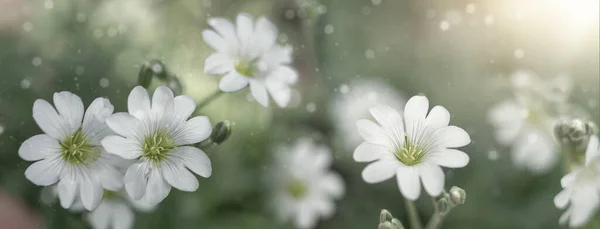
x=110, y=195
x=156, y=146
x=75, y=149
x=297, y=189
x=246, y=68
x=410, y=153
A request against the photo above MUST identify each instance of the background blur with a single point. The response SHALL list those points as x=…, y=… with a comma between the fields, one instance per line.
x=459, y=53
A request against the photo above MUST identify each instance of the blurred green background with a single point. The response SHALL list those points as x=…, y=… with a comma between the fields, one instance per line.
x=459, y=53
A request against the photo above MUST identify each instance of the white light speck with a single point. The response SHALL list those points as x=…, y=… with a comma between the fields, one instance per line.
x=376, y=2
x=519, y=53
x=157, y=68
x=36, y=61
x=311, y=107
x=493, y=155
x=290, y=14
x=321, y=9
x=25, y=83
x=98, y=33
x=369, y=54
x=49, y=4
x=104, y=83
x=329, y=29
x=444, y=25
x=344, y=88
x=470, y=8
x=81, y=17
x=112, y=32
x=27, y=26
x=489, y=19
x=1, y=129
x=79, y=70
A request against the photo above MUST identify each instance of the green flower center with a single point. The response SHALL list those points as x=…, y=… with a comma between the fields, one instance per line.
x=156, y=146
x=76, y=149
x=297, y=189
x=410, y=153
x=110, y=195
x=246, y=68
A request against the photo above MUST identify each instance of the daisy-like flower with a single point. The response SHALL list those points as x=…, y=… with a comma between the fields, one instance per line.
x=247, y=53
x=116, y=211
x=158, y=135
x=305, y=186
x=69, y=151
x=353, y=103
x=528, y=129
x=581, y=189
x=412, y=147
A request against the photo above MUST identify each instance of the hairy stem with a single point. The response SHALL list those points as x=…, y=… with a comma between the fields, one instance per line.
x=208, y=99
x=415, y=222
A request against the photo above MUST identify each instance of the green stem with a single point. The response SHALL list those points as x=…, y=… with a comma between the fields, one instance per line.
x=208, y=99
x=436, y=221
x=415, y=222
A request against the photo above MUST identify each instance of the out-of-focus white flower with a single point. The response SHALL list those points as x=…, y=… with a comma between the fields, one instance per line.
x=305, y=186
x=530, y=86
x=158, y=135
x=116, y=211
x=529, y=131
x=412, y=147
x=353, y=105
x=70, y=152
x=581, y=189
x=247, y=53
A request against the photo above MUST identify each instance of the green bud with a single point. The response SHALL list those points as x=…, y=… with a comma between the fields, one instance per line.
x=151, y=69
x=573, y=132
x=458, y=196
x=385, y=216
x=386, y=225
x=443, y=206
x=397, y=224
x=221, y=132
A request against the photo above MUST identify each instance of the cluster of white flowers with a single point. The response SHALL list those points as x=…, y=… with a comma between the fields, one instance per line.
x=581, y=189
x=525, y=122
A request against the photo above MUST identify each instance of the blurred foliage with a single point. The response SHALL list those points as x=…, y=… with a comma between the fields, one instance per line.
x=96, y=48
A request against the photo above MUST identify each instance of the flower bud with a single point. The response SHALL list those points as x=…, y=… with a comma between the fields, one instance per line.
x=221, y=132
x=385, y=216
x=457, y=195
x=386, y=225
x=149, y=70
x=443, y=206
x=397, y=224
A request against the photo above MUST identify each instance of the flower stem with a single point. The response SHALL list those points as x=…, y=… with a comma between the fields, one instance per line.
x=436, y=221
x=415, y=222
x=208, y=99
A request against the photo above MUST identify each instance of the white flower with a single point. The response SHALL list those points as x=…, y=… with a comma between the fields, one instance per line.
x=581, y=189
x=354, y=104
x=158, y=135
x=528, y=131
x=412, y=146
x=70, y=152
x=305, y=186
x=247, y=53
x=116, y=212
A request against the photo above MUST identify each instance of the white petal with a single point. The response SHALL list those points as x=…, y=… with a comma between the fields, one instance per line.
x=388, y=118
x=280, y=92
x=90, y=191
x=100, y=218
x=259, y=92
x=450, y=158
x=126, y=125
x=195, y=130
x=94, y=122
x=580, y=215
x=123, y=217
x=136, y=179
x=333, y=184
x=592, y=150
x=438, y=117
x=126, y=148
x=379, y=171
x=568, y=179
x=324, y=207
x=562, y=198
x=179, y=177
x=277, y=56
x=67, y=189
x=245, y=27
x=215, y=41
x=109, y=177
x=138, y=102
x=226, y=29
x=564, y=218
x=162, y=101
x=218, y=64
x=157, y=188
x=70, y=108
x=266, y=34
x=233, y=81
x=408, y=182
x=284, y=74
x=306, y=218
x=433, y=179
x=49, y=121
x=45, y=172
x=371, y=132
x=414, y=113
x=39, y=147
x=195, y=160
x=367, y=152
x=453, y=136
x=183, y=106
